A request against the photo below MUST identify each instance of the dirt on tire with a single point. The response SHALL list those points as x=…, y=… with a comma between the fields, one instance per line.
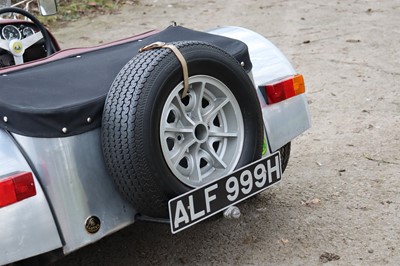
x=339, y=199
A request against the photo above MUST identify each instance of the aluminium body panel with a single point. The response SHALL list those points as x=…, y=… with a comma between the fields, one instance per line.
x=27, y=227
x=73, y=174
x=283, y=121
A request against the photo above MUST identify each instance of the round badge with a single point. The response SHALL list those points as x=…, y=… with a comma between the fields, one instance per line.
x=17, y=47
x=92, y=224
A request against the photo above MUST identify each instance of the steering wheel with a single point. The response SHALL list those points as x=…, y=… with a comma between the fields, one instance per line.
x=17, y=47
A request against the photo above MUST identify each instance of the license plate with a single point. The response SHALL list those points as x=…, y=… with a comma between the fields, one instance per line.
x=203, y=202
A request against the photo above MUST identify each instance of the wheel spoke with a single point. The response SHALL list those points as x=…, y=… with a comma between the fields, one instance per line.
x=18, y=60
x=178, y=130
x=199, y=97
x=223, y=134
x=181, y=108
x=4, y=44
x=218, y=161
x=32, y=39
x=218, y=105
x=197, y=175
x=177, y=157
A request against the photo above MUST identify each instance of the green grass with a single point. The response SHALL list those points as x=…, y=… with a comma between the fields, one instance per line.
x=71, y=10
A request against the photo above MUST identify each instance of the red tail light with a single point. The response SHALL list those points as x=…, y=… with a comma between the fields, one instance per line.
x=16, y=187
x=284, y=89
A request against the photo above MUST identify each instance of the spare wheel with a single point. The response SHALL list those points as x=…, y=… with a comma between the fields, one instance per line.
x=157, y=144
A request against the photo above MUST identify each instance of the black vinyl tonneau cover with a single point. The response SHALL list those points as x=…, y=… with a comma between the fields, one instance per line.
x=40, y=101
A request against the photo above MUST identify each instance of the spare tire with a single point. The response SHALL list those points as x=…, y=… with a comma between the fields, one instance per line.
x=157, y=145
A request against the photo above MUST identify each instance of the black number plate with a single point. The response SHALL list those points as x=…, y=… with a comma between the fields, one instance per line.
x=203, y=202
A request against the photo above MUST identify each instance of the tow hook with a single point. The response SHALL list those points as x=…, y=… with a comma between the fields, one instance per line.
x=232, y=212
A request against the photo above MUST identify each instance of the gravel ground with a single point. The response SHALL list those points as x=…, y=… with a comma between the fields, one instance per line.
x=339, y=200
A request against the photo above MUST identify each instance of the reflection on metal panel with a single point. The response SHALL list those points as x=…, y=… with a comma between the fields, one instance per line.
x=74, y=177
x=24, y=223
x=285, y=120
x=268, y=61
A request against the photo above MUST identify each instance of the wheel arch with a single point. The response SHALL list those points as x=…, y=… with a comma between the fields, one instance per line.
x=270, y=64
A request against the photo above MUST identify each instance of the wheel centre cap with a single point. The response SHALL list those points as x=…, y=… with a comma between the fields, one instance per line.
x=201, y=133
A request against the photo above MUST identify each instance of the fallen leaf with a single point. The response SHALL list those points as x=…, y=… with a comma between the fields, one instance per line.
x=326, y=257
x=285, y=241
x=311, y=202
x=249, y=240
